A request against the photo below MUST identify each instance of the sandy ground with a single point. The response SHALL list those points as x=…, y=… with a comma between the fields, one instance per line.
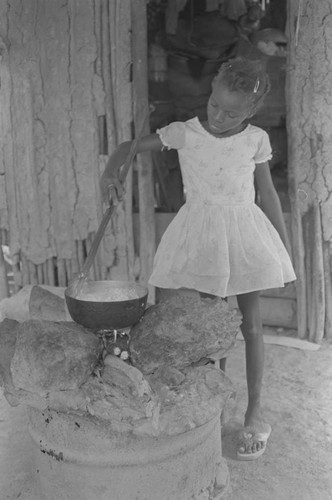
x=297, y=402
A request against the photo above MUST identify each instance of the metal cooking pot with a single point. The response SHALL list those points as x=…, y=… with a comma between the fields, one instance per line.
x=110, y=315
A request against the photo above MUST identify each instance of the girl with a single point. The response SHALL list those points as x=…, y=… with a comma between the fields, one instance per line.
x=221, y=243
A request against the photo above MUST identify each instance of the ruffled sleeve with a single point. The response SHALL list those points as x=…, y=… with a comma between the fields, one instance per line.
x=173, y=136
x=264, y=150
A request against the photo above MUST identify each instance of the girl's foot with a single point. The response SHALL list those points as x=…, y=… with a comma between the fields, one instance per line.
x=252, y=442
x=253, y=438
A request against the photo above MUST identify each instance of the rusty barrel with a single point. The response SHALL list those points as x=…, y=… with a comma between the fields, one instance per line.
x=81, y=457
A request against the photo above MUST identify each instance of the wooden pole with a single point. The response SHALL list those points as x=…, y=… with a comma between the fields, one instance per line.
x=307, y=304
x=309, y=104
x=25, y=271
x=4, y=288
x=328, y=290
x=298, y=231
x=45, y=273
x=318, y=282
x=40, y=274
x=62, y=277
x=144, y=162
x=122, y=86
x=50, y=272
x=33, y=273
x=301, y=282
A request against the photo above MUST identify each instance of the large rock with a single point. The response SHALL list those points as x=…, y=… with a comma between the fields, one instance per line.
x=44, y=364
x=53, y=356
x=181, y=330
x=36, y=302
x=192, y=401
x=46, y=305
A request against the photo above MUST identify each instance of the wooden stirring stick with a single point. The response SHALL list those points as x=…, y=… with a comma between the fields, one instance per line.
x=77, y=284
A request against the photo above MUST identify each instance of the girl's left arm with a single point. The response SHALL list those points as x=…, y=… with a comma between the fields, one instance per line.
x=270, y=202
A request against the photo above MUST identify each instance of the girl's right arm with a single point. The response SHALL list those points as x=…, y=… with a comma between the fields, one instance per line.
x=110, y=176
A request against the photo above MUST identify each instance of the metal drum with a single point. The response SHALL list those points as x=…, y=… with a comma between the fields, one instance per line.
x=82, y=458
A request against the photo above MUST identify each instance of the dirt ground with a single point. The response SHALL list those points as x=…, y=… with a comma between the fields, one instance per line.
x=297, y=402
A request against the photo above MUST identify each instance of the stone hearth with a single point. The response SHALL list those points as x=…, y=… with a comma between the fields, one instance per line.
x=118, y=430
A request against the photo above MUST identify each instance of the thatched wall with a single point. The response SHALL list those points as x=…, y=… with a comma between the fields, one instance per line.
x=67, y=99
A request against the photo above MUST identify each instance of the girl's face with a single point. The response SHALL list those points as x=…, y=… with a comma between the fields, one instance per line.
x=227, y=110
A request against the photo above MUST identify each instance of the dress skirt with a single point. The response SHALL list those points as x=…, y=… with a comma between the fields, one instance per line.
x=222, y=250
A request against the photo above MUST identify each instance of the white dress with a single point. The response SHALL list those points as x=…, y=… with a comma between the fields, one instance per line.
x=220, y=242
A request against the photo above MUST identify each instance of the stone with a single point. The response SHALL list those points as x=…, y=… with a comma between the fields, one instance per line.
x=181, y=330
x=53, y=356
x=114, y=398
x=46, y=305
x=36, y=302
x=202, y=394
x=14, y=396
x=170, y=376
x=115, y=367
x=172, y=388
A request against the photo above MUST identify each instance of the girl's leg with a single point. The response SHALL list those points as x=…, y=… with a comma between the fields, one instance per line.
x=253, y=335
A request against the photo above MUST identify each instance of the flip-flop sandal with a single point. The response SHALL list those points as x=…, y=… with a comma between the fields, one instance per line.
x=248, y=437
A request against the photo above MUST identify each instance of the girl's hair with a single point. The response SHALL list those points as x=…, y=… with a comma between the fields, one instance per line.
x=247, y=76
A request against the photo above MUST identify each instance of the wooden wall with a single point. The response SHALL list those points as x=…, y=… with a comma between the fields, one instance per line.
x=309, y=124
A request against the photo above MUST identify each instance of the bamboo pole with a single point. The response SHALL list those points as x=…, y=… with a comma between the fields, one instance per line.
x=298, y=223
x=87, y=248
x=17, y=272
x=25, y=271
x=50, y=272
x=318, y=281
x=4, y=287
x=45, y=273
x=40, y=274
x=33, y=273
x=308, y=300
x=98, y=31
x=106, y=58
x=156, y=157
x=144, y=162
x=7, y=130
x=80, y=253
x=74, y=263
x=4, y=237
x=328, y=289
x=302, y=285
x=62, y=278
x=123, y=94
x=68, y=269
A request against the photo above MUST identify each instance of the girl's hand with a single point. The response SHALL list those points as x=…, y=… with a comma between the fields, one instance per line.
x=111, y=188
